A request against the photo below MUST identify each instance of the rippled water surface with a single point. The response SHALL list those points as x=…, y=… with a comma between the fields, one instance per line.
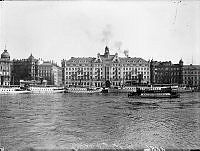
x=98, y=121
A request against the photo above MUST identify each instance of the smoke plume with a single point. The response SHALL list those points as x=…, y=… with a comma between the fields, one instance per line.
x=126, y=53
x=107, y=34
x=118, y=45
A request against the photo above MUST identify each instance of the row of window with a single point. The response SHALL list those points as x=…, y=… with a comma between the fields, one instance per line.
x=4, y=73
x=43, y=72
x=193, y=82
x=100, y=77
x=167, y=73
x=47, y=75
x=114, y=73
x=191, y=78
x=167, y=68
x=4, y=63
x=192, y=72
x=6, y=83
x=4, y=67
x=96, y=64
x=88, y=68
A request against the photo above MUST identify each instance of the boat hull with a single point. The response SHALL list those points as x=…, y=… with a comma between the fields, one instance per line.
x=154, y=96
x=53, y=91
x=13, y=90
x=45, y=90
x=119, y=90
x=16, y=92
x=83, y=90
x=154, y=93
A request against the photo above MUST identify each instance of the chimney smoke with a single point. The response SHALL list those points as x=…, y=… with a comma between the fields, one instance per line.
x=126, y=53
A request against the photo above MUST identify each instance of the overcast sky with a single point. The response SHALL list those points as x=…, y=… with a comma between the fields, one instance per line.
x=162, y=30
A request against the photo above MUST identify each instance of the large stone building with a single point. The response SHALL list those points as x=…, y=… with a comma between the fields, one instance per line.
x=25, y=69
x=166, y=72
x=51, y=72
x=191, y=75
x=5, y=68
x=105, y=70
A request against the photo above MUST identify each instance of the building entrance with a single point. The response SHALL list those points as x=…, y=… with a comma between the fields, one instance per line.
x=108, y=84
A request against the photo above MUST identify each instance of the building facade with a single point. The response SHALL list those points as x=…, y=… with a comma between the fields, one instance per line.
x=105, y=70
x=24, y=69
x=191, y=75
x=5, y=68
x=51, y=72
x=166, y=72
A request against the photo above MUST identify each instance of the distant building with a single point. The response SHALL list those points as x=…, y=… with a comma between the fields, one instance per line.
x=105, y=70
x=25, y=69
x=166, y=72
x=5, y=68
x=191, y=75
x=51, y=72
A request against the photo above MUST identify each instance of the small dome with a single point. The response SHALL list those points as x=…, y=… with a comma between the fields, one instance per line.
x=31, y=57
x=5, y=55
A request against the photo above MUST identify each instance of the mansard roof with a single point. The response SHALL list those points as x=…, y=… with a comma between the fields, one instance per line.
x=80, y=60
x=132, y=60
x=122, y=60
x=48, y=63
x=191, y=67
x=165, y=63
x=105, y=59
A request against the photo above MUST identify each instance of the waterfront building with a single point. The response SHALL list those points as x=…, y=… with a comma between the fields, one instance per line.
x=24, y=69
x=105, y=70
x=5, y=68
x=50, y=71
x=191, y=75
x=166, y=72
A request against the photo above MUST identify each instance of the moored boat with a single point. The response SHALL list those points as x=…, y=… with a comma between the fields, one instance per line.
x=127, y=89
x=40, y=87
x=184, y=89
x=12, y=90
x=45, y=89
x=118, y=89
x=84, y=90
x=154, y=93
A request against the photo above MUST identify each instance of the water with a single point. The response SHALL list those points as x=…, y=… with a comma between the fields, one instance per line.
x=98, y=121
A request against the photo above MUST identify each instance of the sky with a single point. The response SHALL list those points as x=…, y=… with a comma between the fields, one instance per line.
x=56, y=30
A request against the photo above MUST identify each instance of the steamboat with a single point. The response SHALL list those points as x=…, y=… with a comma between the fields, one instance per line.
x=125, y=89
x=45, y=89
x=84, y=90
x=154, y=92
x=12, y=90
x=36, y=87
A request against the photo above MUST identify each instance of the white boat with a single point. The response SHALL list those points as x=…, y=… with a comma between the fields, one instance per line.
x=45, y=89
x=125, y=89
x=83, y=90
x=184, y=89
x=12, y=90
x=154, y=93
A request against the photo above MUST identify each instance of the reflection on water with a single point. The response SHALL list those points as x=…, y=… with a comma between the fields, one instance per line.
x=98, y=121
